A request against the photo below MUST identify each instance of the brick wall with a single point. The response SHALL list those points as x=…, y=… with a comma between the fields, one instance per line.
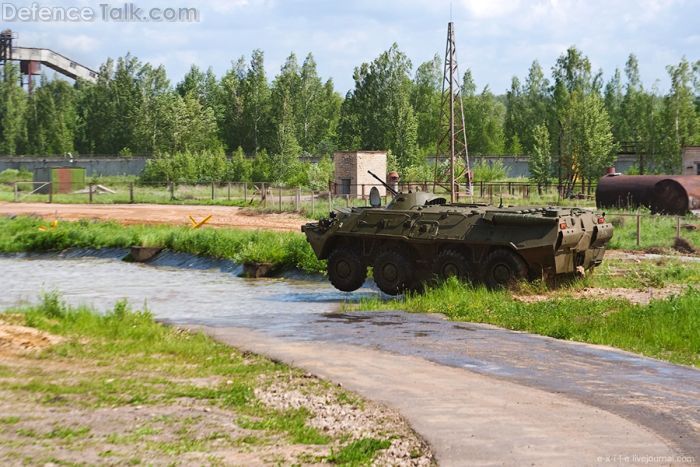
x=353, y=166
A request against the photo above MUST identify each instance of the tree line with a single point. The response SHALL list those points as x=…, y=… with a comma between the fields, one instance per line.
x=570, y=123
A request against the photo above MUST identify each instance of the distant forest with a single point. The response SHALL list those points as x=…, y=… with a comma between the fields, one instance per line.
x=568, y=117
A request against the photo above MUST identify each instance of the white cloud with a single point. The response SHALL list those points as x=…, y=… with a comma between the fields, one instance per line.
x=80, y=42
x=483, y=9
x=227, y=6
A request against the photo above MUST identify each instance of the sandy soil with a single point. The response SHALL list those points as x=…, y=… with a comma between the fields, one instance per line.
x=222, y=216
x=17, y=339
x=637, y=296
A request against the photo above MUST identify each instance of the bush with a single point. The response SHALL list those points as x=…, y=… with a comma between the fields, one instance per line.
x=187, y=167
x=14, y=175
x=489, y=171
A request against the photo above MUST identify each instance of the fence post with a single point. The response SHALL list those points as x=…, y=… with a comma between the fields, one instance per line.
x=90, y=189
x=228, y=191
x=245, y=192
x=131, y=192
x=678, y=227
x=263, y=193
x=212, y=191
x=330, y=201
x=639, y=229
x=279, y=195
x=172, y=191
x=16, y=191
x=313, y=210
x=363, y=192
x=347, y=201
x=50, y=192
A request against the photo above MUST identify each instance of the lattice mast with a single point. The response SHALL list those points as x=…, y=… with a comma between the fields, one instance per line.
x=455, y=132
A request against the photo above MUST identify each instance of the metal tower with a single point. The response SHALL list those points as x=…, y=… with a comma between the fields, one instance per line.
x=453, y=141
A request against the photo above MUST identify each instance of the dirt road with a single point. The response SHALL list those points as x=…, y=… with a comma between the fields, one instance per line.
x=222, y=216
x=470, y=419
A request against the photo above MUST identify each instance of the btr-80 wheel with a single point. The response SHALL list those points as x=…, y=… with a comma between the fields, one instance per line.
x=346, y=270
x=393, y=272
x=451, y=263
x=503, y=268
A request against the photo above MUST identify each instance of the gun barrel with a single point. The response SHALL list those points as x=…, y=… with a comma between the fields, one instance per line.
x=394, y=192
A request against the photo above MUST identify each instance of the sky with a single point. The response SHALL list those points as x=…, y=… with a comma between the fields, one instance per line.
x=496, y=39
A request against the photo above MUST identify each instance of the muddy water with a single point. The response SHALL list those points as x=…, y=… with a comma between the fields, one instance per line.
x=183, y=289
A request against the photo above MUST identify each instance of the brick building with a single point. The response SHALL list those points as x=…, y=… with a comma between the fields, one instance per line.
x=691, y=160
x=351, y=172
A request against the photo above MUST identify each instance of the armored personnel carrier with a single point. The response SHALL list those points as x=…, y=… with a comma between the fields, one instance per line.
x=419, y=237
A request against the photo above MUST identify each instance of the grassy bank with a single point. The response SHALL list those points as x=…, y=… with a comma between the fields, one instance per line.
x=284, y=250
x=120, y=388
x=667, y=329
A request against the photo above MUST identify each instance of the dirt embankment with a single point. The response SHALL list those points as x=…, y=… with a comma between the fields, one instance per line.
x=222, y=216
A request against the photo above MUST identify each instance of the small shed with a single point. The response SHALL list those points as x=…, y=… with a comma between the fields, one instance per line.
x=351, y=177
x=59, y=179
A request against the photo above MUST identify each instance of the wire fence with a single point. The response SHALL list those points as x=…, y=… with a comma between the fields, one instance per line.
x=268, y=195
x=633, y=229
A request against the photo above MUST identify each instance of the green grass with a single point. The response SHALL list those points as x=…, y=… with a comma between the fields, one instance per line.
x=360, y=452
x=641, y=274
x=282, y=249
x=656, y=231
x=666, y=329
x=127, y=359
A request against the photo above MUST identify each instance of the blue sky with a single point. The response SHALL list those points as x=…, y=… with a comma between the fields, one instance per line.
x=495, y=38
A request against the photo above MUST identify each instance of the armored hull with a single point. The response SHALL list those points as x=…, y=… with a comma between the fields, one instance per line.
x=420, y=237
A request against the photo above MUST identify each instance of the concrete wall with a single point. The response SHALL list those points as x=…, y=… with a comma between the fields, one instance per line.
x=98, y=166
x=517, y=166
x=691, y=160
x=353, y=166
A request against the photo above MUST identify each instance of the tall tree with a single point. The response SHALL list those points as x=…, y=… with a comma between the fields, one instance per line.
x=13, y=106
x=157, y=117
x=425, y=99
x=255, y=92
x=231, y=100
x=540, y=162
x=377, y=114
x=318, y=110
x=584, y=135
x=516, y=117
x=588, y=140
x=613, y=105
x=537, y=105
x=679, y=120
x=285, y=102
x=126, y=94
x=484, y=116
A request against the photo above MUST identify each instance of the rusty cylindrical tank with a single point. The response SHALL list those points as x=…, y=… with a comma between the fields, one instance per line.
x=626, y=191
x=663, y=194
x=676, y=195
